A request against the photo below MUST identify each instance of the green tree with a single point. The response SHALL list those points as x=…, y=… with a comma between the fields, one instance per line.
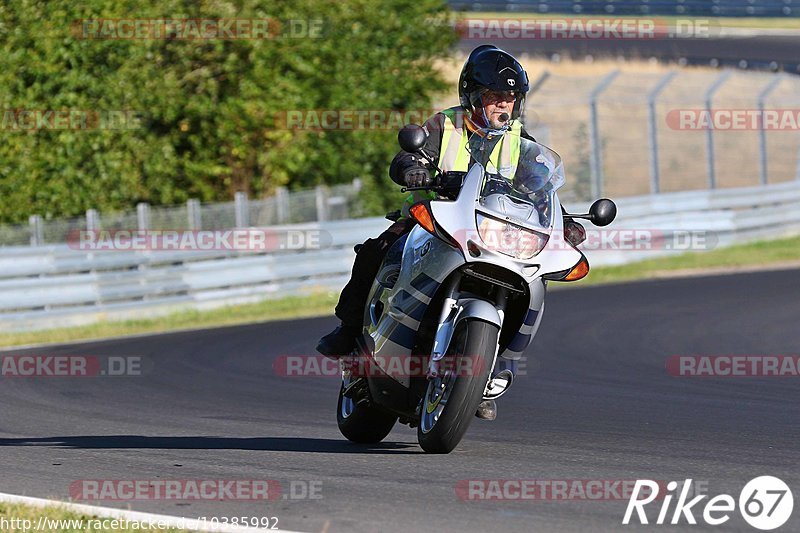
x=208, y=109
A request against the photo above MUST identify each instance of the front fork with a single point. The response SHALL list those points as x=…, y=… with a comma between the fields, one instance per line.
x=447, y=323
x=444, y=331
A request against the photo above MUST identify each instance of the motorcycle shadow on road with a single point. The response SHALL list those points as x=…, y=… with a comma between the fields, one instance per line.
x=272, y=444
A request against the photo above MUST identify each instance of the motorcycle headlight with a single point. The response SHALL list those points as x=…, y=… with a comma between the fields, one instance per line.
x=510, y=239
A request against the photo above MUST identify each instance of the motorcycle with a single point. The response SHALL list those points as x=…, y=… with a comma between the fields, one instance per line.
x=465, y=289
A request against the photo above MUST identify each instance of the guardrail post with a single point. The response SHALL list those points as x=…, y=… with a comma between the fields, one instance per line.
x=655, y=178
x=242, y=209
x=762, y=132
x=322, y=203
x=596, y=159
x=282, y=204
x=193, y=213
x=712, y=172
x=92, y=220
x=37, y=232
x=143, y=216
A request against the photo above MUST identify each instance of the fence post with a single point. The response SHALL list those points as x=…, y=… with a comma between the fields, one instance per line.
x=534, y=87
x=282, y=203
x=596, y=159
x=655, y=177
x=92, y=220
x=193, y=213
x=322, y=203
x=797, y=170
x=37, y=232
x=712, y=172
x=242, y=210
x=762, y=132
x=352, y=198
x=143, y=216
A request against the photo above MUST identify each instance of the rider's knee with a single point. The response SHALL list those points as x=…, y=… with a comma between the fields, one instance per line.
x=370, y=247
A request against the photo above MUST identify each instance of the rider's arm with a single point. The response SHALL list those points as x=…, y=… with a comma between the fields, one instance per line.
x=403, y=160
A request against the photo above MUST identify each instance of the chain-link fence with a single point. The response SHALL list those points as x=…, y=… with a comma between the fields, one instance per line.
x=626, y=133
x=322, y=203
x=619, y=133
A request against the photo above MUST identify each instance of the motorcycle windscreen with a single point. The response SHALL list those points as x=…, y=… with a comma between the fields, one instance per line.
x=516, y=213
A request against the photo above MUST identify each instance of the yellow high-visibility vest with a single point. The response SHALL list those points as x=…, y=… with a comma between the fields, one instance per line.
x=454, y=152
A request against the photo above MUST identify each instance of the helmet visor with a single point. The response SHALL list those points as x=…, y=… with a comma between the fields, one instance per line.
x=484, y=96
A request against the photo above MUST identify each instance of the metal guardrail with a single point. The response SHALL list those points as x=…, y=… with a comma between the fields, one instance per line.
x=724, y=8
x=55, y=285
x=336, y=202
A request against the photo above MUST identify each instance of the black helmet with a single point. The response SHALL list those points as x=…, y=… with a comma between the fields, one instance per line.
x=489, y=68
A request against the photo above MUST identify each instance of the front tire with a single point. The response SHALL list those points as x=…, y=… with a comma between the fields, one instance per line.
x=361, y=422
x=449, y=404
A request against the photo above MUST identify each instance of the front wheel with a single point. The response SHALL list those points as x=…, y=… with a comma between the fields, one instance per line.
x=451, y=400
x=361, y=422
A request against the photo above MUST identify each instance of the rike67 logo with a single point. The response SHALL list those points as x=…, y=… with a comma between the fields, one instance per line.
x=765, y=503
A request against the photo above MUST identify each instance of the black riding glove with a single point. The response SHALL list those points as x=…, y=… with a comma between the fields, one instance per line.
x=417, y=176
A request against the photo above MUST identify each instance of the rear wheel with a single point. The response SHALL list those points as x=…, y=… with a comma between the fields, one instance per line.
x=358, y=421
x=451, y=400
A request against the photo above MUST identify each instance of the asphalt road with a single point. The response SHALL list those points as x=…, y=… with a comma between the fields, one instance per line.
x=597, y=404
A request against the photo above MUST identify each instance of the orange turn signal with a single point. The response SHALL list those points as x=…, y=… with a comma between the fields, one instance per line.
x=422, y=215
x=579, y=271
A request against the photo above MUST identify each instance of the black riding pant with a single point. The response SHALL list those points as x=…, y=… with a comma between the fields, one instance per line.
x=369, y=256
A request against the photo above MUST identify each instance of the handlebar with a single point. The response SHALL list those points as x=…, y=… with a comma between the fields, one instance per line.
x=447, y=183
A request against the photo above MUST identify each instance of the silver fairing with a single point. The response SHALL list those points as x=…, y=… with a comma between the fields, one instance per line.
x=402, y=293
x=427, y=261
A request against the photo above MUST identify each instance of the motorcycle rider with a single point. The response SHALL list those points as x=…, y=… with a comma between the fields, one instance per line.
x=484, y=128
